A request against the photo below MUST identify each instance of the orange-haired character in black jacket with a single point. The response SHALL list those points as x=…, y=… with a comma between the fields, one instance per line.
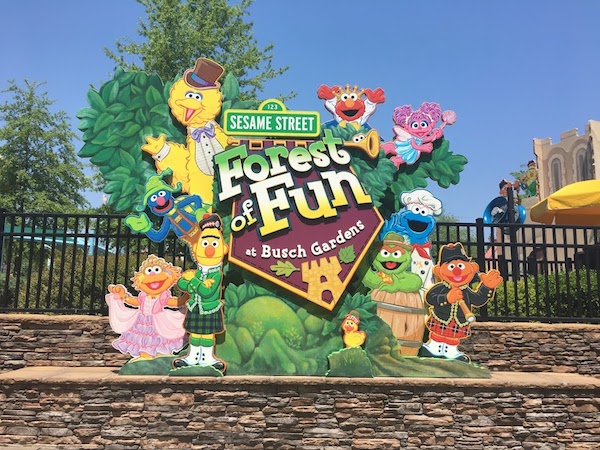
x=450, y=301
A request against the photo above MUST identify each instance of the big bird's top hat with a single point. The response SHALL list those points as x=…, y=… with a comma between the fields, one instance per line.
x=204, y=75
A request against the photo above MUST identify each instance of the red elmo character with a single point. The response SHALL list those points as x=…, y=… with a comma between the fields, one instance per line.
x=350, y=105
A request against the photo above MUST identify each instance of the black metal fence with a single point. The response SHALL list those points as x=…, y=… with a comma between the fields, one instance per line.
x=551, y=273
x=63, y=264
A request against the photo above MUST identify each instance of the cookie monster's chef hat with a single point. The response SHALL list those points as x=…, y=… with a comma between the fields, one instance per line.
x=204, y=75
x=423, y=198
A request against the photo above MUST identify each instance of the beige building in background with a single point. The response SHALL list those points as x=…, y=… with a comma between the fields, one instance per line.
x=569, y=160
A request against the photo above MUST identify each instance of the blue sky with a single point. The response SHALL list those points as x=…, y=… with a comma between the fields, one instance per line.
x=512, y=70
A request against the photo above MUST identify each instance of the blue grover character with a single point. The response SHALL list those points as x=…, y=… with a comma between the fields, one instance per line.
x=415, y=223
x=180, y=214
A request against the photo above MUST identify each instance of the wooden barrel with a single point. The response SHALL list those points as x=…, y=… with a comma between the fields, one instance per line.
x=405, y=314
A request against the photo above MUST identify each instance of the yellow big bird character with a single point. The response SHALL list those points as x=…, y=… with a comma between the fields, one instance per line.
x=195, y=100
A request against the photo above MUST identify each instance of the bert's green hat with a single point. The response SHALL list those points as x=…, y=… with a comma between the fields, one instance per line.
x=154, y=184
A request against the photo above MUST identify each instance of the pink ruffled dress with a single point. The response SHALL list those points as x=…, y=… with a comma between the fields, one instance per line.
x=149, y=328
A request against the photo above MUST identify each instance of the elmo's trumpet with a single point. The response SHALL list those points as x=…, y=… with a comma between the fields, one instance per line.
x=368, y=143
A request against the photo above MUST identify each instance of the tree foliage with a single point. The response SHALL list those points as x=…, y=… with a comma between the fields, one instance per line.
x=119, y=116
x=39, y=170
x=386, y=183
x=175, y=33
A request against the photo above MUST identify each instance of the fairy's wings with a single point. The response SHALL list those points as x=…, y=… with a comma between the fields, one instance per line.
x=401, y=134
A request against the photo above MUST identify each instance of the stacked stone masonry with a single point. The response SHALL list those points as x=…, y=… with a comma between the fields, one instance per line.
x=96, y=409
x=38, y=340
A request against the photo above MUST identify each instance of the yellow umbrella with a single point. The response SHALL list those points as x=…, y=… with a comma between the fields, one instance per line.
x=575, y=204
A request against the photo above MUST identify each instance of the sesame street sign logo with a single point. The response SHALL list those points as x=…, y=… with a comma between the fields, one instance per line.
x=301, y=217
x=272, y=119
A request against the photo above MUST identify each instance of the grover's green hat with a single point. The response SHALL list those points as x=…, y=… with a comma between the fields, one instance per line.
x=156, y=183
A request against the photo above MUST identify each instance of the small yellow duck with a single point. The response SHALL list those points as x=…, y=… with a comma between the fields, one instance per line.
x=352, y=336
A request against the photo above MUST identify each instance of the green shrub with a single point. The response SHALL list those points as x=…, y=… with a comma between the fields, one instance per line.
x=567, y=294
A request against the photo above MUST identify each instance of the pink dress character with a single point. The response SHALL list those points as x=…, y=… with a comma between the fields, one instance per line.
x=416, y=132
x=147, y=329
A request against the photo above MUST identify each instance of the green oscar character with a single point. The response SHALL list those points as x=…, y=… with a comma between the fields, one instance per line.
x=390, y=272
x=396, y=291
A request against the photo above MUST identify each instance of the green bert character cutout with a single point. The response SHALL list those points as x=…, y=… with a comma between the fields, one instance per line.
x=204, y=317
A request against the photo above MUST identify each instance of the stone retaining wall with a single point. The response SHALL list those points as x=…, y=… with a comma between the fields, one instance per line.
x=95, y=409
x=42, y=340
x=536, y=347
x=45, y=340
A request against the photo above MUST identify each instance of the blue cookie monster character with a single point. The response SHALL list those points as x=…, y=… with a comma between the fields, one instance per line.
x=417, y=220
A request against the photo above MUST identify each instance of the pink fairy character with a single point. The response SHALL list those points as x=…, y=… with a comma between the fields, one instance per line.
x=147, y=329
x=416, y=132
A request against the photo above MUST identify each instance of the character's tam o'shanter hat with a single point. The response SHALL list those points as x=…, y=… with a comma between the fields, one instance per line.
x=353, y=316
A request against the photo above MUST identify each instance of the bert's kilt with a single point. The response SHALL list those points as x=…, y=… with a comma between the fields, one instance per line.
x=197, y=323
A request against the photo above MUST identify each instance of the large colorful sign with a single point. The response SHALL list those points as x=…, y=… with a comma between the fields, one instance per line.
x=283, y=192
x=283, y=217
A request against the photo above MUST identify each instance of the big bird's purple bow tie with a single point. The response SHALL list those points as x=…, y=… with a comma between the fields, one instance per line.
x=209, y=130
